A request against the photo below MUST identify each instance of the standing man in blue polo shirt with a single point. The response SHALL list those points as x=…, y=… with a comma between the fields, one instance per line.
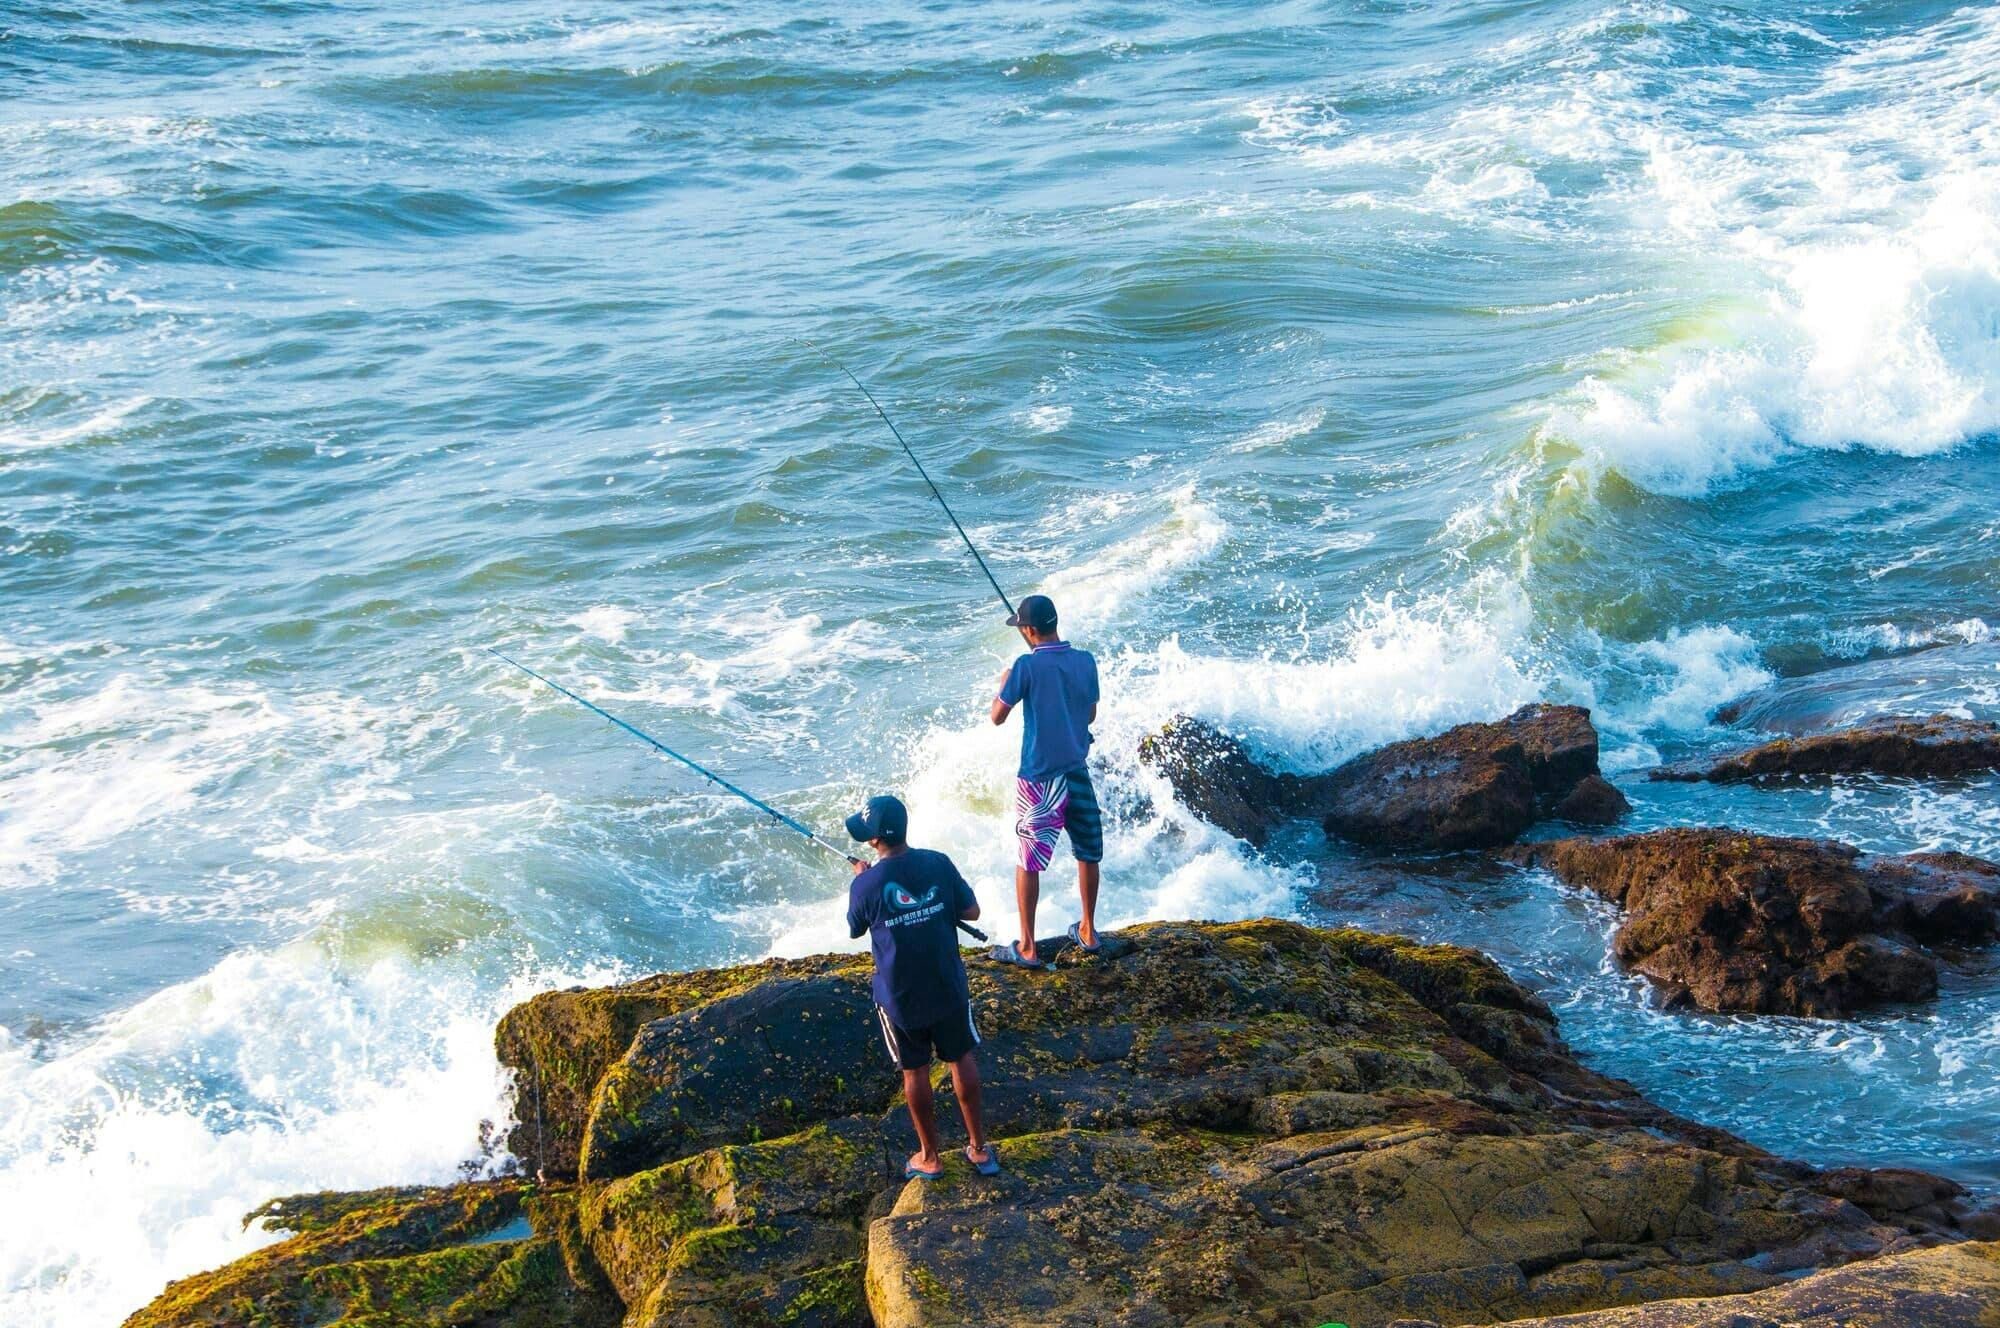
x=1055, y=685
x=908, y=903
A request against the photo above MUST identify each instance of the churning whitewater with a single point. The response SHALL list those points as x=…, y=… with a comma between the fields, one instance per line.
x=1343, y=374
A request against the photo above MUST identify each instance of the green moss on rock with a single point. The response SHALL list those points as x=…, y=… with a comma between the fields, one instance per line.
x=502, y=1254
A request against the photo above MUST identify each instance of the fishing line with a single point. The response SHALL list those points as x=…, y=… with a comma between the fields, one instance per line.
x=703, y=771
x=911, y=454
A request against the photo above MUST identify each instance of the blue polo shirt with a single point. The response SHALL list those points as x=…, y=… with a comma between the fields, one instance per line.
x=1055, y=685
x=909, y=907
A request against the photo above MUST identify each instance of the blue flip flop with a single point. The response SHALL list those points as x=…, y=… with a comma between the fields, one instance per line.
x=911, y=1172
x=991, y=1166
x=1076, y=934
x=1010, y=953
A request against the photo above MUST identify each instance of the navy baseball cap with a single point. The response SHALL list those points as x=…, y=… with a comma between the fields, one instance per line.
x=883, y=818
x=1036, y=611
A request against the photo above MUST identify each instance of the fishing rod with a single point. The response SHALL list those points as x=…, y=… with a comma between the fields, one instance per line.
x=911, y=454
x=704, y=772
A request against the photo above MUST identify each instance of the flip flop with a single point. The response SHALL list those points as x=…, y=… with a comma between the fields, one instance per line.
x=913, y=1172
x=1010, y=953
x=1076, y=934
x=991, y=1166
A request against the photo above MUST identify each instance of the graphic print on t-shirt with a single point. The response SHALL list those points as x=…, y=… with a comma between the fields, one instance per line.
x=906, y=909
x=902, y=898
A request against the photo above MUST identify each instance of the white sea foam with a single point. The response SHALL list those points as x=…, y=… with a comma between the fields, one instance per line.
x=1047, y=419
x=1893, y=637
x=1870, y=306
x=1691, y=672
x=82, y=773
x=1303, y=126
x=604, y=622
x=1870, y=340
x=1836, y=251
x=78, y=772
x=774, y=644
x=98, y=424
x=1274, y=433
x=130, y=1152
x=637, y=32
x=1105, y=588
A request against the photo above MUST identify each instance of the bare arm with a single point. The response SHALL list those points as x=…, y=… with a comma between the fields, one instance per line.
x=971, y=914
x=1000, y=708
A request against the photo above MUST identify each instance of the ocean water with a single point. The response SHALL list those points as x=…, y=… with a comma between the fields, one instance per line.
x=1344, y=371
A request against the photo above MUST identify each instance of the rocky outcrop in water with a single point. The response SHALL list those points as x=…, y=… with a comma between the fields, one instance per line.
x=1913, y=682
x=1728, y=921
x=1257, y=1122
x=1938, y=747
x=1474, y=786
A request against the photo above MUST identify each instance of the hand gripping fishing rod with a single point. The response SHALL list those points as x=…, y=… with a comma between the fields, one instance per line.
x=969, y=546
x=704, y=772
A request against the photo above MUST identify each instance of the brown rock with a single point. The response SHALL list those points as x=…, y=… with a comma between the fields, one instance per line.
x=1474, y=786
x=1940, y=898
x=1957, y=1286
x=1594, y=801
x=1937, y=747
x=1754, y=923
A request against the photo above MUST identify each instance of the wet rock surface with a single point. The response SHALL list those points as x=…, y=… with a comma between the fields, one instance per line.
x=1941, y=746
x=1728, y=921
x=1913, y=682
x=1205, y=1124
x=1956, y=1286
x=1474, y=786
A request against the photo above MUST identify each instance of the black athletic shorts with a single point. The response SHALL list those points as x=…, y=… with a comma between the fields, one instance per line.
x=910, y=1048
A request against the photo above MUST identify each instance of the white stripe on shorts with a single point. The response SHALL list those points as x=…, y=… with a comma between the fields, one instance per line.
x=888, y=1037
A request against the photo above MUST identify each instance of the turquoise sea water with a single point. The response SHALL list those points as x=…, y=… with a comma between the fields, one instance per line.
x=1343, y=371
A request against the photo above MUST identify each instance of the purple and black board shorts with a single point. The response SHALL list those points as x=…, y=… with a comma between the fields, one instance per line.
x=1045, y=808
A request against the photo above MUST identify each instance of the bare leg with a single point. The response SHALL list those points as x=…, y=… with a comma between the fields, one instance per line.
x=1086, y=886
x=917, y=1092
x=965, y=1082
x=1027, y=893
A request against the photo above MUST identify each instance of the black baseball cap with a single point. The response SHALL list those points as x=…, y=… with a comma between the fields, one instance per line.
x=1036, y=611
x=883, y=818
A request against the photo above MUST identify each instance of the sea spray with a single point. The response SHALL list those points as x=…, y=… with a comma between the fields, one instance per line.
x=133, y=1147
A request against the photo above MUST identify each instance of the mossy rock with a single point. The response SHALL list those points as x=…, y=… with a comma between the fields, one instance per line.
x=1254, y=1123
x=560, y=1044
x=502, y=1254
x=746, y=1235
x=758, y=1063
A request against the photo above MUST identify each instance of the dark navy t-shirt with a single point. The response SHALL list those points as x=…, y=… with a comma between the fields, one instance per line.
x=1055, y=685
x=909, y=906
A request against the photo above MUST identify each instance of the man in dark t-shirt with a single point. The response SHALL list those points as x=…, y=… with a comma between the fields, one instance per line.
x=908, y=903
